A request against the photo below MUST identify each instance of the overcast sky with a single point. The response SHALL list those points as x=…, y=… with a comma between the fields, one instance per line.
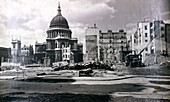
x=29, y=19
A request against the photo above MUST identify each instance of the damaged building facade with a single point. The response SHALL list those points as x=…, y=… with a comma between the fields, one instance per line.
x=105, y=46
x=152, y=36
x=21, y=55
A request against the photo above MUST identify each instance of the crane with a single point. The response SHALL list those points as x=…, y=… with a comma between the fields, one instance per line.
x=135, y=60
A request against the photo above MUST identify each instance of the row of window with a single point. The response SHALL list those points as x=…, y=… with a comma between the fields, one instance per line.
x=24, y=49
x=19, y=46
x=114, y=42
x=152, y=51
x=140, y=41
x=146, y=28
x=65, y=50
x=66, y=56
x=146, y=35
x=52, y=45
x=4, y=53
x=101, y=37
x=55, y=34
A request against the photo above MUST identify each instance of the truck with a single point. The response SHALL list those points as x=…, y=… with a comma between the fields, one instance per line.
x=134, y=60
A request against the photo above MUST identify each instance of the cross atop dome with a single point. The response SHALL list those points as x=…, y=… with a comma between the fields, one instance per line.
x=59, y=9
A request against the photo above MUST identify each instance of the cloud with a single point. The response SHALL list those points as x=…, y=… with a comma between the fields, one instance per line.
x=89, y=12
x=2, y=20
x=131, y=31
x=80, y=34
x=36, y=23
x=165, y=13
x=167, y=21
x=29, y=20
x=131, y=25
x=27, y=36
x=4, y=35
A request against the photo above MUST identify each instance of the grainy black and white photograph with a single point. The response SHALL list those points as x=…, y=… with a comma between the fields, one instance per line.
x=84, y=50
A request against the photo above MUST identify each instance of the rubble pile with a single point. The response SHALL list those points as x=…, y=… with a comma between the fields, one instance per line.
x=81, y=66
x=165, y=64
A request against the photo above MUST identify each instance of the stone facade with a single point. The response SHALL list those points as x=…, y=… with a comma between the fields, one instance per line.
x=105, y=46
x=59, y=40
x=27, y=55
x=144, y=37
x=152, y=36
x=92, y=43
x=5, y=54
x=111, y=43
x=167, y=34
x=16, y=51
x=40, y=50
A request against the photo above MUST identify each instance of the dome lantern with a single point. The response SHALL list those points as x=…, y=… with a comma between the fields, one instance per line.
x=59, y=9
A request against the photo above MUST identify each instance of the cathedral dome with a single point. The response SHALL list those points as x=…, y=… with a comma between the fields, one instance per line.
x=59, y=20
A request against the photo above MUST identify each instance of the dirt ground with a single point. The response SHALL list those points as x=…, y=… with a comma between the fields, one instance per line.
x=149, y=84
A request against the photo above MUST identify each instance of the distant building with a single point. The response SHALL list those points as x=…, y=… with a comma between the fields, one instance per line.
x=92, y=43
x=158, y=28
x=40, y=50
x=78, y=57
x=144, y=36
x=5, y=54
x=152, y=36
x=59, y=40
x=27, y=55
x=16, y=51
x=105, y=46
x=111, y=43
x=167, y=39
x=134, y=43
x=21, y=56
